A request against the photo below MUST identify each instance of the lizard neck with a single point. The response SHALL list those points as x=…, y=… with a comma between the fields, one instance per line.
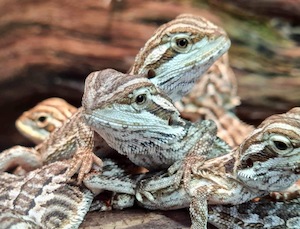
x=154, y=147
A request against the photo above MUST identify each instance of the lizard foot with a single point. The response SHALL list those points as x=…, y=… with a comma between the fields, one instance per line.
x=82, y=163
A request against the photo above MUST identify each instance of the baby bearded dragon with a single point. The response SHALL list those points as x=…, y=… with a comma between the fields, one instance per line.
x=188, y=42
x=42, y=199
x=252, y=170
x=180, y=52
x=73, y=140
x=48, y=115
x=191, y=41
x=134, y=118
x=268, y=160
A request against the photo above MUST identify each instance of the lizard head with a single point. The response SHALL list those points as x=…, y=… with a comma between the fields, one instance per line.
x=38, y=122
x=270, y=158
x=179, y=52
x=136, y=119
x=122, y=106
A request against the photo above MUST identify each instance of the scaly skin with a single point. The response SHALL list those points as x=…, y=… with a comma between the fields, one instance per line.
x=179, y=53
x=73, y=140
x=268, y=160
x=171, y=65
x=190, y=40
x=260, y=214
x=138, y=121
x=43, y=198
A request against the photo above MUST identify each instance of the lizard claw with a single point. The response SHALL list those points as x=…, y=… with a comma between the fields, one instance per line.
x=148, y=195
x=82, y=163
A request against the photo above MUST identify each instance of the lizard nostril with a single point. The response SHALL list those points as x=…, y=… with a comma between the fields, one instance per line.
x=151, y=74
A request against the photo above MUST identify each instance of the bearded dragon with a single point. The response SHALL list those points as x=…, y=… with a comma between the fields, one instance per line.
x=137, y=120
x=268, y=160
x=193, y=41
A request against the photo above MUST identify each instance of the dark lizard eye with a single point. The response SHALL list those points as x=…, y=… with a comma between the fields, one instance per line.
x=182, y=42
x=42, y=118
x=141, y=99
x=280, y=145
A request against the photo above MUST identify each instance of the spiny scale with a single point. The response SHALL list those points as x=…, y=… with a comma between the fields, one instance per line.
x=198, y=181
x=219, y=79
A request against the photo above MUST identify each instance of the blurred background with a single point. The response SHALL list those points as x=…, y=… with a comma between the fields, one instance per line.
x=47, y=48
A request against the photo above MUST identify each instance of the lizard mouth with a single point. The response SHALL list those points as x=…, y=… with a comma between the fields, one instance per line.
x=132, y=121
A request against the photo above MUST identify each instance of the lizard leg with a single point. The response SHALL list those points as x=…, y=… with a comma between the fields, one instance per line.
x=198, y=209
x=97, y=182
x=27, y=158
x=82, y=163
x=146, y=187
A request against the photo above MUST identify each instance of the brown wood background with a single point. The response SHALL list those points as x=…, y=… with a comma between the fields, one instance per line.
x=47, y=48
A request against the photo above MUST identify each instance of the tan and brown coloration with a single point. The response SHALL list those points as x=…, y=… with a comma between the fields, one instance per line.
x=48, y=115
x=268, y=160
x=66, y=142
x=72, y=140
x=180, y=52
x=139, y=121
x=42, y=199
x=214, y=97
x=151, y=59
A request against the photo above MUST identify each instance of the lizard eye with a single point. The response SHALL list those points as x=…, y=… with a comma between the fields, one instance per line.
x=181, y=44
x=281, y=144
x=141, y=99
x=42, y=118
